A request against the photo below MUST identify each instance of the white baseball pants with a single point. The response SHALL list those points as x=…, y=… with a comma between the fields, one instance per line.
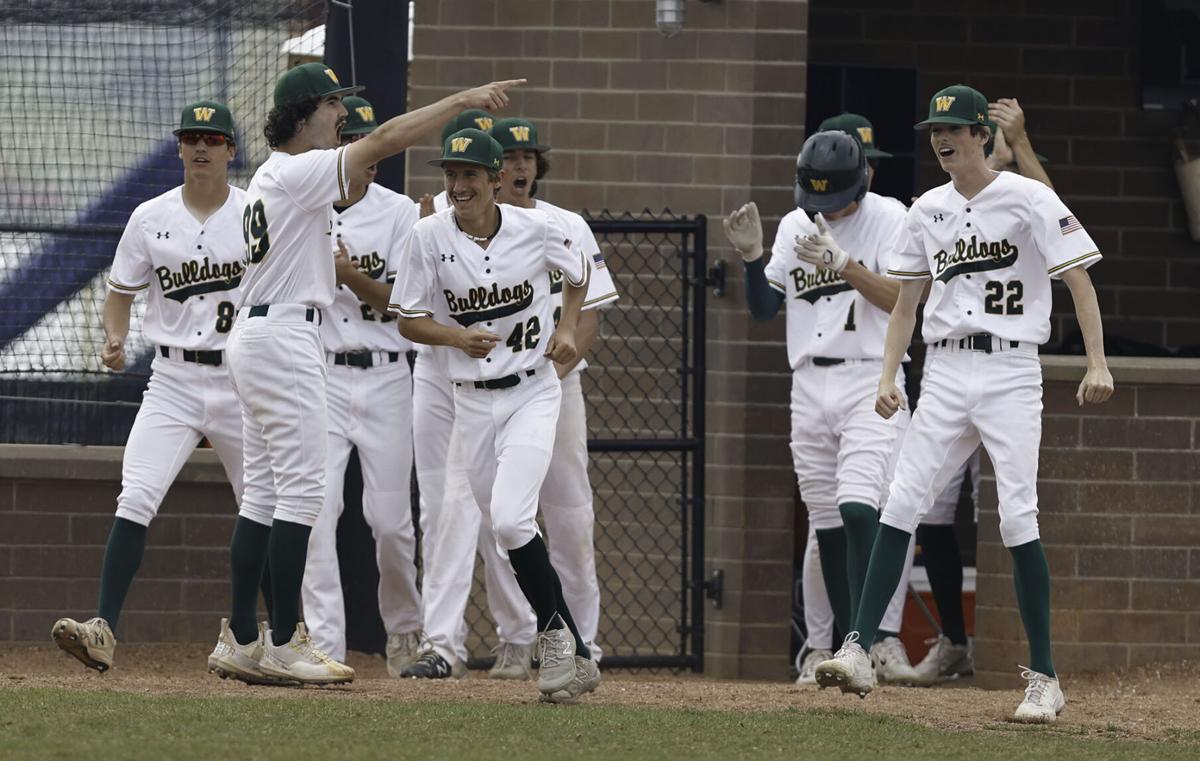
x=369, y=408
x=277, y=365
x=507, y=438
x=945, y=505
x=566, y=502
x=840, y=447
x=183, y=402
x=452, y=528
x=969, y=397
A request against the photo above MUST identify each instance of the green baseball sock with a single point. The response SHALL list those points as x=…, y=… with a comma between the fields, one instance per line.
x=1031, y=575
x=943, y=565
x=287, y=552
x=122, y=556
x=831, y=546
x=247, y=558
x=883, y=575
x=539, y=581
x=862, y=523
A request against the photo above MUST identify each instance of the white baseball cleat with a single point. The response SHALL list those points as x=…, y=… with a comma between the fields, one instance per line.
x=556, y=657
x=230, y=660
x=91, y=641
x=945, y=660
x=1043, y=701
x=512, y=662
x=891, y=662
x=849, y=669
x=402, y=651
x=299, y=660
x=587, y=679
x=808, y=666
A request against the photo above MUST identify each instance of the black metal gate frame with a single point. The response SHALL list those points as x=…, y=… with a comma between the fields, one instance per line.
x=690, y=441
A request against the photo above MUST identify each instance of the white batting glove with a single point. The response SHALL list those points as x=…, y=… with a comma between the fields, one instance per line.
x=820, y=249
x=744, y=230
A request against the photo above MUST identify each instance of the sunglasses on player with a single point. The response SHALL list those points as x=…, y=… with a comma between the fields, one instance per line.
x=211, y=139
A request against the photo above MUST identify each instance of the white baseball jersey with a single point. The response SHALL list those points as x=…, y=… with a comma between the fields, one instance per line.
x=441, y=201
x=601, y=288
x=375, y=231
x=190, y=270
x=287, y=224
x=826, y=316
x=991, y=258
x=504, y=289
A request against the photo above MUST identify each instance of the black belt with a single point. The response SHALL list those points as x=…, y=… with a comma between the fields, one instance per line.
x=827, y=361
x=310, y=315
x=362, y=358
x=199, y=357
x=507, y=381
x=976, y=342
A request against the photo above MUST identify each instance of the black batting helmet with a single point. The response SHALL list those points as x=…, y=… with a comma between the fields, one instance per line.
x=831, y=172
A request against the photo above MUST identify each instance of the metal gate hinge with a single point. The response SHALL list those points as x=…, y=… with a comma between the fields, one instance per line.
x=714, y=588
x=716, y=278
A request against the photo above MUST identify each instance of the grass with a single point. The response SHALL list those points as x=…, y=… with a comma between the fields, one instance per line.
x=54, y=723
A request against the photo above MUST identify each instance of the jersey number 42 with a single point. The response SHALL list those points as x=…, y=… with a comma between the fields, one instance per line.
x=254, y=231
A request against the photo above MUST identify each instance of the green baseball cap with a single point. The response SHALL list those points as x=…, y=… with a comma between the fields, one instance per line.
x=956, y=104
x=206, y=116
x=517, y=134
x=472, y=118
x=859, y=127
x=308, y=81
x=471, y=146
x=360, y=116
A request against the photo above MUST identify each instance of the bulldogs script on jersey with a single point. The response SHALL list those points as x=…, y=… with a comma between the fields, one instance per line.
x=826, y=316
x=991, y=258
x=375, y=232
x=191, y=270
x=504, y=289
x=286, y=228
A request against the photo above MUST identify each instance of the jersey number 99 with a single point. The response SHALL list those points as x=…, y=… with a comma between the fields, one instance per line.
x=254, y=231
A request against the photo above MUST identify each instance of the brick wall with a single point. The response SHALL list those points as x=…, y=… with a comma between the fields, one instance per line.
x=1074, y=68
x=56, y=509
x=1120, y=519
x=699, y=124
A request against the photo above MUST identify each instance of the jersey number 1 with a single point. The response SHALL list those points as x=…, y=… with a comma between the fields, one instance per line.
x=254, y=231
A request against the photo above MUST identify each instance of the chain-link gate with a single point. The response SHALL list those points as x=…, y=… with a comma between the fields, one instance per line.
x=644, y=388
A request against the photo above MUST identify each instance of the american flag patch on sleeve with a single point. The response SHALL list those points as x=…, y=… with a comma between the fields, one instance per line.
x=598, y=262
x=1069, y=224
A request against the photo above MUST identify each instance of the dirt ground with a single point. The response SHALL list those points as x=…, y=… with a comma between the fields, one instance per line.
x=1148, y=704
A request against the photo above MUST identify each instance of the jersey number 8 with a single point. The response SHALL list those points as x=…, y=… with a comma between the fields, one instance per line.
x=254, y=231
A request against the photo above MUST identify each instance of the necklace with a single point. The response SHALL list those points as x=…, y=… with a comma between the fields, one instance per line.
x=480, y=238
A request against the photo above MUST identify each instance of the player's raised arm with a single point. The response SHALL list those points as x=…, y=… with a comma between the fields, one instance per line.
x=400, y=132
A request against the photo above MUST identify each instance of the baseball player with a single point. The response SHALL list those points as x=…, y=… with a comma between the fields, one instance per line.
x=566, y=496
x=184, y=250
x=277, y=359
x=837, y=312
x=990, y=243
x=475, y=285
x=891, y=659
x=950, y=653
x=450, y=522
x=369, y=392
